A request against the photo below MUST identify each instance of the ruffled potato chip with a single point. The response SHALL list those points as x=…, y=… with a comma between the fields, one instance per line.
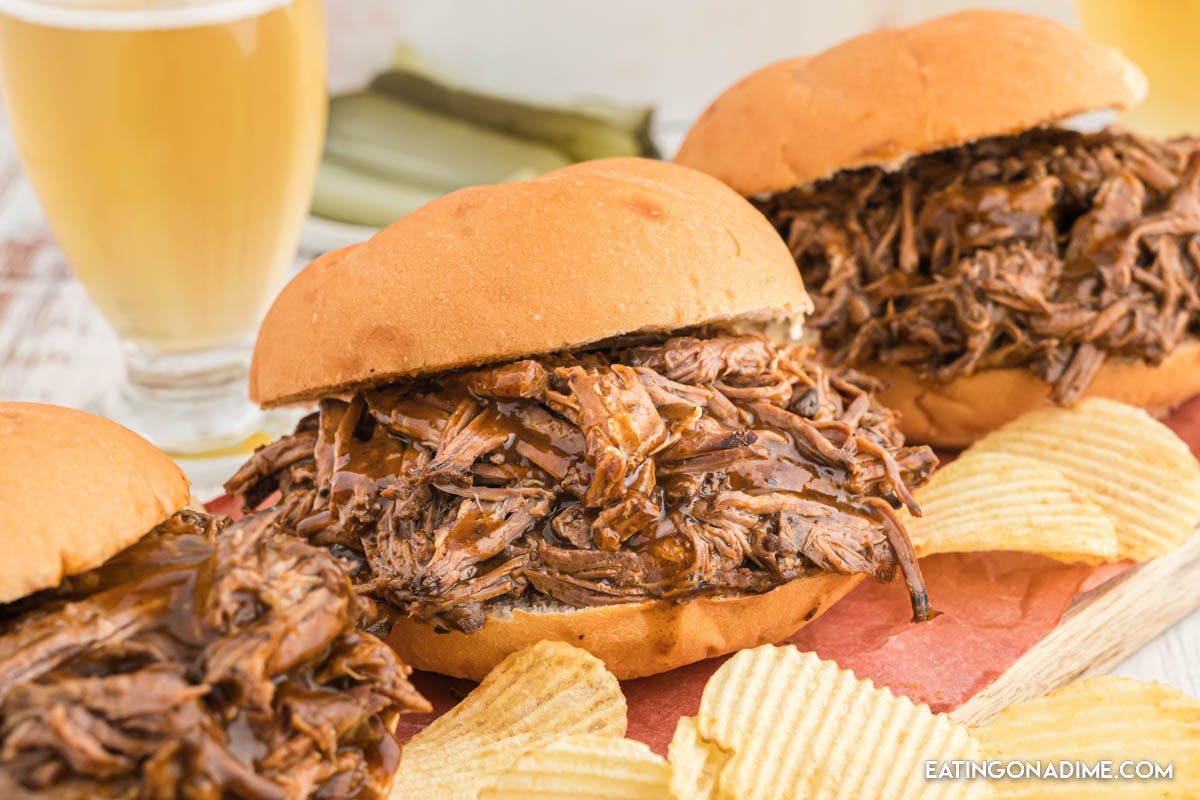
x=1000, y=501
x=796, y=726
x=533, y=698
x=695, y=763
x=1133, y=467
x=586, y=767
x=1095, y=720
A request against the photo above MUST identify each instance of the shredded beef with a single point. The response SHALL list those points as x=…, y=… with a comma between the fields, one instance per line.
x=1053, y=250
x=200, y=666
x=701, y=464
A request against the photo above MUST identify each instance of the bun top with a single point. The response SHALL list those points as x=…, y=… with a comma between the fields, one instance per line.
x=75, y=490
x=493, y=273
x=880, y=98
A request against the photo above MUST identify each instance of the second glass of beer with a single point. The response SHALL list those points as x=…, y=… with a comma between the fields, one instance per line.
x=173, y=147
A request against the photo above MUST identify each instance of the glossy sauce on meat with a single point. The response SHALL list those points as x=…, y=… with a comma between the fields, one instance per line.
x=202, y=666
x=1053, y=250
x=695, y=465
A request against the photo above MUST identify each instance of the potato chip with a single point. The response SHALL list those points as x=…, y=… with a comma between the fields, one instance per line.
x=1000, y=501
x=797, y=726
x=695, y=763
x=1140, y=473
x=535, y=697
x=1094, y=720
x=588, y=767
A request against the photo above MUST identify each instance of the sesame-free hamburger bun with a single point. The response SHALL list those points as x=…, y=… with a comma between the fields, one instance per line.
x=888, y=95
x=490, y=273
x=75, y=490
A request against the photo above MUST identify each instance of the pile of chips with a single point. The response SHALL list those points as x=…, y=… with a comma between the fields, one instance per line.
x=777, y=723
x=1099, y=481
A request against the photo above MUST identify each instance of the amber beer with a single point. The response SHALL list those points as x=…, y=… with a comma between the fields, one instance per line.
x=173, y=147
x=1162, y=38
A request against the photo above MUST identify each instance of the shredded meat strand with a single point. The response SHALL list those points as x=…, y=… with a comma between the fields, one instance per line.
x=699, y=464
x=1052, y=250
x=204, y=666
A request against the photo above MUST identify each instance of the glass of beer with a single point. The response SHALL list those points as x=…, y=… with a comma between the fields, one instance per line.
x=172, y=145
x=1161, y=38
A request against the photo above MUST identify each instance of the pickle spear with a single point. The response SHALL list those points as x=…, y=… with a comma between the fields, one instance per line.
x=390, y=139
x=347, y=194
x=583, y=131
x=415, y=135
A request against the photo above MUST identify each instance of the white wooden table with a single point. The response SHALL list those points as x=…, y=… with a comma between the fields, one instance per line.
x=56, y=348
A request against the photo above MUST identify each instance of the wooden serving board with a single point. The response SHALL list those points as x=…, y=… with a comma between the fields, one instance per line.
x=1099, y=630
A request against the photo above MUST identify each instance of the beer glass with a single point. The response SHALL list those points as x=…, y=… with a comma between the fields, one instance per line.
x=172, y=145
x=1160, y=37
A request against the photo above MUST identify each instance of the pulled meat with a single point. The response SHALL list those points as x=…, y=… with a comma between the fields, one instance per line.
x=199, y=666
x=701, y=464
x=1053, y=250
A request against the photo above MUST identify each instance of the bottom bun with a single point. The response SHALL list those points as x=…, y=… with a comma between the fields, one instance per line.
x=632, y=639
x=955, y=414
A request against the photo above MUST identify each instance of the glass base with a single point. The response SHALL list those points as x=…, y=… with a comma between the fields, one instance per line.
x=195, y=407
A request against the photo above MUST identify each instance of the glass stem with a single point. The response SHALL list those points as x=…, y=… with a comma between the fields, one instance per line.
x=186, y=403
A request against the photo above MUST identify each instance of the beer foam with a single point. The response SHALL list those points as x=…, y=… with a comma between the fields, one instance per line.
x=135, y=15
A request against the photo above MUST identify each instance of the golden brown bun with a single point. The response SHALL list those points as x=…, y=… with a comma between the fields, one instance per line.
x=75, y=490
x=634, y=639
x=887, y=95
x=955, y=414
x=493, y=273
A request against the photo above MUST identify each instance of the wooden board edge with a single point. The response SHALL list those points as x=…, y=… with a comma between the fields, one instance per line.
x=1098, y=631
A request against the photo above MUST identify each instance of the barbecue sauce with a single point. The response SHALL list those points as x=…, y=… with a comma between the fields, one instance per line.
x=442, y=453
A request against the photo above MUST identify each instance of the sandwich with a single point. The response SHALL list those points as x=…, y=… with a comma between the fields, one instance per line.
x=148, y=650
x=547, y=411
x=960, y=243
